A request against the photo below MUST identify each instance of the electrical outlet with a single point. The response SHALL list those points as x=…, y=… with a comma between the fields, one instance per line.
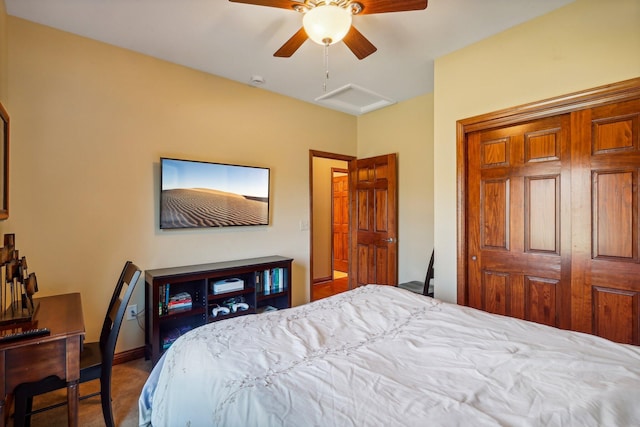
x=132, y=311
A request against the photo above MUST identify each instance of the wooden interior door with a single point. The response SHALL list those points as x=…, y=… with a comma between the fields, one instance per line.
x=340, y=219
x=606, y=262
x=517, y=176
x=374, y=226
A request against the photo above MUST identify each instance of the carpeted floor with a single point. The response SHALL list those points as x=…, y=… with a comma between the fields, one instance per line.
x=127, y=381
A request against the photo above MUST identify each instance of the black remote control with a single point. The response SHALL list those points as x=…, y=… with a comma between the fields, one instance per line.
x=29, y=333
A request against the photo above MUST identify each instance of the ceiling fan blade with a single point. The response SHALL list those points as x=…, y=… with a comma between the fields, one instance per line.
x=283, y=4
x=292, y=44
x=383, y=6
x=358, y=44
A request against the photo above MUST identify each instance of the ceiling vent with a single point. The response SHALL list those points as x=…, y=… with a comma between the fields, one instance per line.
x=354, y=99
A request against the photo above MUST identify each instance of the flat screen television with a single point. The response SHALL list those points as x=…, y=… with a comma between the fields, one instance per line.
x=197, y=194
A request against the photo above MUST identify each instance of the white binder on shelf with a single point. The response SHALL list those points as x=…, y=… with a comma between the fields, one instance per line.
x=227, y=285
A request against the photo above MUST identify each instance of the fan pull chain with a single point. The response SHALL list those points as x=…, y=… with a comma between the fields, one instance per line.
x=326, y=66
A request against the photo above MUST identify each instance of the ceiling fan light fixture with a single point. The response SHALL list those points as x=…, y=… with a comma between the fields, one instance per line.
x=327, y=24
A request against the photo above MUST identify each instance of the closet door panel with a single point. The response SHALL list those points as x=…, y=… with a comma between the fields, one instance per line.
x=614, y=206
x=514, y=192
x=496, y=285
x=495, y=213
x=542, y=296
x=616, y=314
x=542, y=214
x=607, y=296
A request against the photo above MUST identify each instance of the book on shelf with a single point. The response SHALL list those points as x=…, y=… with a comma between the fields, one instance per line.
x=171, y=336
x=259, y=282
x=179, y=307
x=163, y=293
x=179, y=301
x=270, y=281
x=278, y=279
x=180, y=297
x=170, y=303
x=267, y=282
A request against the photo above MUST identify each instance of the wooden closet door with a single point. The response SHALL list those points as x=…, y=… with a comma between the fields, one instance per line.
x=518, y=221
x=606, y=259
x=549, y=211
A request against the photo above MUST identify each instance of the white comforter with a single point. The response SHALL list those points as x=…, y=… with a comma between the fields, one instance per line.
x=382, y=356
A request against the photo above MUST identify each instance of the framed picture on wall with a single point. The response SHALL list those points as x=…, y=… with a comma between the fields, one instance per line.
x=197, y=194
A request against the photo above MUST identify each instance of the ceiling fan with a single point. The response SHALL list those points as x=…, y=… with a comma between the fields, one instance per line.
x=328, y=21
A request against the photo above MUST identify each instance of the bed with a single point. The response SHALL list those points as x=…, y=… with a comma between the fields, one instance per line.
x=383, y=356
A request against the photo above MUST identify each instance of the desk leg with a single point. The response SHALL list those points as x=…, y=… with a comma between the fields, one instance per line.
x=72, y=403
x=73, y=378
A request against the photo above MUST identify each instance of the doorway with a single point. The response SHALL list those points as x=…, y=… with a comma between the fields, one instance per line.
x=340, y=221
x=372, y=256
x=328, y=232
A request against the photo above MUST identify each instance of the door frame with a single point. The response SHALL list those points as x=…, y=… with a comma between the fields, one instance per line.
x=589, y=98
x=325, y=155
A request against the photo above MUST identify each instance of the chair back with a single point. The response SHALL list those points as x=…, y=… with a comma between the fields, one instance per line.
x=116, y=311
x=427, y=280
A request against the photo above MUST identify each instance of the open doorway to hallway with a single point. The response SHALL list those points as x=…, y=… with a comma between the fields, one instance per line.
x=329, y=203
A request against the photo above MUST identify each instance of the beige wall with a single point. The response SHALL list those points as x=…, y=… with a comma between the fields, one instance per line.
x=3, y=54
x=406, y=128
x=90, y=122
x=582, y=45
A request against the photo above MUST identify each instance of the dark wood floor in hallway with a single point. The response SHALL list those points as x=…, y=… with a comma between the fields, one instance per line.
x=326, y=289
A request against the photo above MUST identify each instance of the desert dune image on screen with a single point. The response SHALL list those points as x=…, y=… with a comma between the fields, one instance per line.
x=200, y=194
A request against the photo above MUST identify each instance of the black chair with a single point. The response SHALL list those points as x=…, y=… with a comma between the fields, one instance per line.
x=425, y=287
x=96, y=359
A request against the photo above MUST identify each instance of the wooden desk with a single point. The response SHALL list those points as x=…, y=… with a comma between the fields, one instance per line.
x=57, y=354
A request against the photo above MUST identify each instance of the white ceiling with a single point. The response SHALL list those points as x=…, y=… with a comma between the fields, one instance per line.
x=237, y=41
